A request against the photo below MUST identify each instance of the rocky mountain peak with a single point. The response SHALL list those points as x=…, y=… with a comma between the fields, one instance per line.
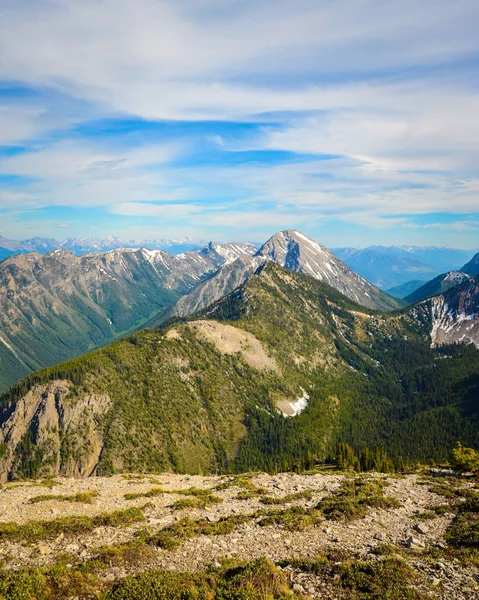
x=228, y=253
x=297, y=252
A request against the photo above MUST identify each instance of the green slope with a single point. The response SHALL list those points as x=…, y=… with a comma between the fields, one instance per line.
x=179, y=400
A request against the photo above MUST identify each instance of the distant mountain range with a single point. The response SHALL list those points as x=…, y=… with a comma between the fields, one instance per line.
x=80, y=246
x=383, y=266
x=392, y=266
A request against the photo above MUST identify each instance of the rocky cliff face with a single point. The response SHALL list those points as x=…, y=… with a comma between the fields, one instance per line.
x=297, y=252
x=455, y=314
x=47, y=433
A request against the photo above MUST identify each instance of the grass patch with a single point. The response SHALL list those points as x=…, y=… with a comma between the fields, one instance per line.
x=256, y=580
x=132, y=553
x=389, y=578
x=462, y=535
x=42, y=530
x=353, y=499
x=150, y=494
x=249, y=489
x=48, y=584
x=432, y=512
x=174, y=535
x=295, y=518
x=196, y=502
x=305, y=495
x=85, y=497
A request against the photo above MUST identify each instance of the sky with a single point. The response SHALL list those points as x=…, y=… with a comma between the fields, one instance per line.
x=355, y=121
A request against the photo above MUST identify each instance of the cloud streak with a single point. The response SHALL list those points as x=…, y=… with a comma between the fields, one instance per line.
x=372, y=107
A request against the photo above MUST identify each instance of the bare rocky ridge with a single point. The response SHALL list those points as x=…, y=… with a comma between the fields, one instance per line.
x=361, y=538
x=438, y=285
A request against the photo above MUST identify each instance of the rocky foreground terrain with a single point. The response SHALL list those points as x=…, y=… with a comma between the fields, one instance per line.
x=328, y=535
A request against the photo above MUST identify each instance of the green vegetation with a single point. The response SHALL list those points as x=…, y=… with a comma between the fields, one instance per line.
x=174, y=535
x=41, y=530
x=257, y=580
x=304, y=495
x=463, y=533
x=201, y=498
x=465, y=460
x=354, y=497
x=149, y=494
x=203, y=501
x=389, y=578
x=234, y=580
x=369, y=460
x=295, y=518
x=85, y=497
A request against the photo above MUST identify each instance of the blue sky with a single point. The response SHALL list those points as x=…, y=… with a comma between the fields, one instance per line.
x=356, y=121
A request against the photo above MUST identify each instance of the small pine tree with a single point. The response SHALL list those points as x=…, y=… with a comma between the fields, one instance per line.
x=465, y=460
x=346, y=459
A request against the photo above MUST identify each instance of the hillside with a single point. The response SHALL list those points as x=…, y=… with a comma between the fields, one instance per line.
x=212, y=394
x=57, y=306
x=405, y=289
x=437, y=286
x=472, y=267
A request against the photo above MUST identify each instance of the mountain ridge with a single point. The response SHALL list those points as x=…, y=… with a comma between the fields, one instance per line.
x=193, y=398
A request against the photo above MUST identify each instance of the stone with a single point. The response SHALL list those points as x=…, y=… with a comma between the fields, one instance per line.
x=434, y=581
x=44, y=550
x=414, y=543
x=379, y=536
x=298, y=588
x=421, y=528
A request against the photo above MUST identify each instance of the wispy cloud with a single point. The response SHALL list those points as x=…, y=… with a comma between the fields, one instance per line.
x=135, y=109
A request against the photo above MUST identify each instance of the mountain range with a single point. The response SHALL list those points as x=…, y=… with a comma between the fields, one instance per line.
x=282, y=368
x=383, y=266
x=254, y=359
x=80, y=246
x=55, y=306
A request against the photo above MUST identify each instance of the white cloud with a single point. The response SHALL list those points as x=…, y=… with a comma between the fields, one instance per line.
x=369, y=82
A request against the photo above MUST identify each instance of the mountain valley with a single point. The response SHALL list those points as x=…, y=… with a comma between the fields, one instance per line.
x=55, y=306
